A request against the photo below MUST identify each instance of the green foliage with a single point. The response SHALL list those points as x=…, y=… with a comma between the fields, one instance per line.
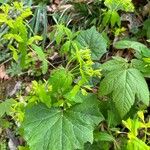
x=94, y=41
x=103, y=136
x=18, y=33
x=42, y=57
x=124, y=5
x=111, y=15
x=143, y=66
x=63, y=85
x=62, y=129
x=142, y=53
x=146, y=28
x=134, y=125
x=84, y=58
x=54, y=92
x=6, y=107
x=86, y=39
x=140, y=49
x=78, y=83
x=39, y=21
x=18, y=30
x=41, y=1
x=14, y=69
x=125, y=84
x=40, y=93
x=64, y=37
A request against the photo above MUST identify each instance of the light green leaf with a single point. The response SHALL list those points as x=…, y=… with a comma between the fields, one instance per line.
x=34, y=38
x=106, y=18
x=137, y=144
x=125, y=85
x=14, y=52
x=62, y=31
x=42, y=57
x=13, y=36
x=133, y=126
x=26, y=13
x=115, y=19
x=94, y=41
x=5, y=107
x=40, y=93
x=137, y=46
x=65, y=47
x=61, y=80
x=124, y=5
x=58, y=129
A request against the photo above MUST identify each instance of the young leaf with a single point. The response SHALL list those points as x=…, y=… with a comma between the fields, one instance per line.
x=94, y=41
x=65, y=47
x=13, y=36
x=14, y=52
x=115, y=19
x=34, y=38
x=138, y=144
x=5, y=107
x=41, y=93
x=125, y=85
x=58, y=129
x=124, y=5
x=106, y=18
x=61, y=80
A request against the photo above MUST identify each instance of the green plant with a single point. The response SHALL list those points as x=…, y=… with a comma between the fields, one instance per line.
x=39, y=21
x=111, y=16
x=90, y=39
x=141, y=52
x=17, y=31
x=61, y=113
x=17, y=35
x=76, y=86
x=134, y=125
x=124, y=83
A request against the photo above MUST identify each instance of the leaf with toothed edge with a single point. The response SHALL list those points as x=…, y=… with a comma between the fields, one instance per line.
x=125, y=85
x=57, y=129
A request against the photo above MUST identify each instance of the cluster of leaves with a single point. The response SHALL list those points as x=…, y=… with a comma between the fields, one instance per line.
x=84, y=102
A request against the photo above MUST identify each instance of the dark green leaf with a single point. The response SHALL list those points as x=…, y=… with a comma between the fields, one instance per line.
x=94, y=41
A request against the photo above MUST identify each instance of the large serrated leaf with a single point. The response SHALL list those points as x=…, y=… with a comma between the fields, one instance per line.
x=125, y=85
x=58, y=129
x=94, y=41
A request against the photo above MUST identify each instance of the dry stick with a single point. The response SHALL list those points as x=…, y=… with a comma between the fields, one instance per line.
x=5, y=61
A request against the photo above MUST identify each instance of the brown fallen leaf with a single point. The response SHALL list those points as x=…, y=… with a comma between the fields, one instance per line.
x=3, y=74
